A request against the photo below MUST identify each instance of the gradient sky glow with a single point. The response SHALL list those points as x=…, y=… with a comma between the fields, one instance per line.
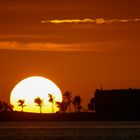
x=81, y=45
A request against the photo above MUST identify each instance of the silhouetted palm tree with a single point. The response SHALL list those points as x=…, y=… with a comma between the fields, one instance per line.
x=77, y=103
x=39, y=103
x=51, y=100
x=79, y=107
x=67, y=98
x=91, y=104
x=62, y=106
x=21, y=103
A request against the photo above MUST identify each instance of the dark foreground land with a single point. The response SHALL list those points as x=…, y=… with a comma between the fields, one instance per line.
x=83, y=116
x=22, y=116
x=68, y=126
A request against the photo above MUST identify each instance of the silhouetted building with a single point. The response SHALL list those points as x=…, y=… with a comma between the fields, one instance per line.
x=123, y=101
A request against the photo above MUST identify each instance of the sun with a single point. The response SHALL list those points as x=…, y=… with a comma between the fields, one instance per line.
x=29, y=89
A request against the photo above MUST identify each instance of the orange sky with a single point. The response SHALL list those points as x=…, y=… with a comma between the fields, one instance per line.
x=80, y=45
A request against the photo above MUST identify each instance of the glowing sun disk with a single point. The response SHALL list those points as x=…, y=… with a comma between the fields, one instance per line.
x=31, y=88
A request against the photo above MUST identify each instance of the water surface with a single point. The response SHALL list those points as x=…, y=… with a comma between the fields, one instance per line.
x=96, y=130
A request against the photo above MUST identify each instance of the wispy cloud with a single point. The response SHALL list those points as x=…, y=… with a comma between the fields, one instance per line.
x=97, y=21
x=42, y=46
x=106, y=46
x=45, y=46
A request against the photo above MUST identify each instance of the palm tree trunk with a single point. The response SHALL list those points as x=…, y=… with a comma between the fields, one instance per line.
x=70, y=108
x=75, y=108
x=52, y=108
x=22, y=109
x=40, y=109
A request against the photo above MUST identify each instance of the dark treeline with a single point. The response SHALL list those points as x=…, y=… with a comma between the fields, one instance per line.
x=105, y=102
x=5, y=106
x=69, y=104
x=120, y=101
x=76, y=102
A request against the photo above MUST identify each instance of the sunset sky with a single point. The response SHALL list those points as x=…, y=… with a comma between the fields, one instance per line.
x=81, y=45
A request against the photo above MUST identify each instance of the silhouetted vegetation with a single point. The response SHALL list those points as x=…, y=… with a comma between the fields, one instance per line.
x=51, y=100
x=5, y=107
x=91, y=104
x=65, y=105
x=105, y=105
x=62, y=106
x=1, y=105
x=39, y=103
x=67, y=97
x=77, y=103
x=21, y=103
x=123, y=101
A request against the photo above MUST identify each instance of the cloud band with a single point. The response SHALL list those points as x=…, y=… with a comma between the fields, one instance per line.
x=96, y=21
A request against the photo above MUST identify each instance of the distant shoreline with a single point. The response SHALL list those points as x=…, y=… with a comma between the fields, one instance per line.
x=83, y=116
